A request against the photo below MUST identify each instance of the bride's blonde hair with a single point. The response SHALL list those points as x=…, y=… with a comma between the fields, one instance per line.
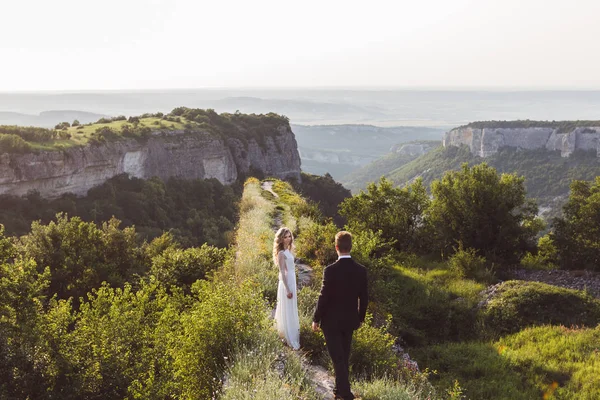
x=278, y=242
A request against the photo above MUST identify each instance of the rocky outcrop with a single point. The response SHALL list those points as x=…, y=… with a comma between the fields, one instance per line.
x=486, y=141
x=195, y=155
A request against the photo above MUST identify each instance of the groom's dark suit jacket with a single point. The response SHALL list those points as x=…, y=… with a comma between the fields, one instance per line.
x=344, y=296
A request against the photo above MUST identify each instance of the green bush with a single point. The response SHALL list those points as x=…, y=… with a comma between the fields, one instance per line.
x=223, y=319
x=316, y=242
x=81, y=256
x=181, y=268
x=13, y=144
x=467, y=264
x=313, y=343
x=372, y=354
x=519, y=304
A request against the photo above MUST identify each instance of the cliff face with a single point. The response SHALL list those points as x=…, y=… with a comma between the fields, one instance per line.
x=175, y=154
x=487, y=141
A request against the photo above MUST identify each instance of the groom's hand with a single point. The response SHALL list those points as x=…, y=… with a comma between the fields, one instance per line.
x=315, y=327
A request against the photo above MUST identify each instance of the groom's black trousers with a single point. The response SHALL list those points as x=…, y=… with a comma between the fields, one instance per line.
x=338, y=345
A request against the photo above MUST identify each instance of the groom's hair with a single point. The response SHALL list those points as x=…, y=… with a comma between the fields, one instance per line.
x=343, y=241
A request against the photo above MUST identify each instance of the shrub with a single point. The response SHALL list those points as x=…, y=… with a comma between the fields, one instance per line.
x=372, y=354
x=467, y=264
x=177, y=267
x=316, y=241
x=10, y=143
x=519, y=304
x=225, y=317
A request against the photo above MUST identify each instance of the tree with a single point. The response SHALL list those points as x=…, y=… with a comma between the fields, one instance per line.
x=75, y=123
x=484, y=211
x=577, y=234
x=81, y=256
x=396, y=212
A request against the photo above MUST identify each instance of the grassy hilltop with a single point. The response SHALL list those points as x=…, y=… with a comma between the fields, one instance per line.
x=15, y=139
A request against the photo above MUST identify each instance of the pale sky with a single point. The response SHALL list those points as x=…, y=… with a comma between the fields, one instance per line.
x=150, y=44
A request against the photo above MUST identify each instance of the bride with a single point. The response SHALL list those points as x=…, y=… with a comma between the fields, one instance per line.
x=286, y=313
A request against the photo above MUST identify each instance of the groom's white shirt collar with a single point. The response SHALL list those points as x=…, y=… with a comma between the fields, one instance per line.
x=344, y=256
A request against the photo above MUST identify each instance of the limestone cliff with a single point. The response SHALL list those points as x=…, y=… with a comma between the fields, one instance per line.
x=187, y=155
x=485, y=141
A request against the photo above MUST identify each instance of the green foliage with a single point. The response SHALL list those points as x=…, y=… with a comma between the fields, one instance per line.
x=80, y=255
x=372, y=354
x=467, y=264
x=121, y=343
x=221, y=320
x=189, y=121
x=254, y=241
x=561, y=362
x=10, y=143
x=324, y=191
x=7, y=248
x=181, y=268
x=62, y=125
x=396, y=212
x=518, y=304
x=29, y=133
x=196, y=211
x=577, y=235
x=547, y=174
x=243, y=127
x=316, y=241
x=255, y=374
x=428, y=306
x=23, y=291
x=483, y=211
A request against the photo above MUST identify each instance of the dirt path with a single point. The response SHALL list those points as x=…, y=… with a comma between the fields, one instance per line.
x=322, y=381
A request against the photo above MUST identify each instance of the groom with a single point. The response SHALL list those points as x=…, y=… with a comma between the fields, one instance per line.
x=341, y=310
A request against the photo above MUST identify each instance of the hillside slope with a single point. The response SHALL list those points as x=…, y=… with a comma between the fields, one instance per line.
x=547, y=174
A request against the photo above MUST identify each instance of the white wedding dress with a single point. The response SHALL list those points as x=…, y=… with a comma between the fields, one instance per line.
x=286, y=312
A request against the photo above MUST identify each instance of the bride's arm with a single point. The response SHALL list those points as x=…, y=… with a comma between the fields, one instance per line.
x=283, y=270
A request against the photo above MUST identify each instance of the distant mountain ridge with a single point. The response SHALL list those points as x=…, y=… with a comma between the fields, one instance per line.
x=49, y=118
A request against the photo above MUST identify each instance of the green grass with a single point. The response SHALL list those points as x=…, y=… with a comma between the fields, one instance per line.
x=429, y=305
x=480, y=370
x=81, y=137
x=153, y=123
x=265, y=370
x=390, y=389
x=556, y=359
x=550, y=362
